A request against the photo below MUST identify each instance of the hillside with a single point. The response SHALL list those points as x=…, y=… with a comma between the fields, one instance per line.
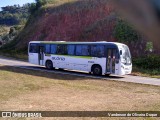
x=14, y=15
x=12, y=20
x=75, y=20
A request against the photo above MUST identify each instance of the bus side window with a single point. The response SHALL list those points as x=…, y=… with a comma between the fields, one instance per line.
x=53, y=49
x=70, y=49
x=100, y=51
x=33, y=48
x=62, y=49
x=97, y=50
x=48, y=49
x=83, y=50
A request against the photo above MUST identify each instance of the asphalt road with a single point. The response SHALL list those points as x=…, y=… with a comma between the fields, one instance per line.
x=126, y=78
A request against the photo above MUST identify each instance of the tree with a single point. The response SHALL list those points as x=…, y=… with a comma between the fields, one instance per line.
x=14, y=15
x=40, y=3
x=32, y=8
x=124, y=32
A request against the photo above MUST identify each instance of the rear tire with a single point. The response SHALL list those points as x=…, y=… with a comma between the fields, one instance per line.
x=97, y=70
x=49, y=65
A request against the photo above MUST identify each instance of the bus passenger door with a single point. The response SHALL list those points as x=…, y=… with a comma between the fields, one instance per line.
x=41, y=55
x=111, y=61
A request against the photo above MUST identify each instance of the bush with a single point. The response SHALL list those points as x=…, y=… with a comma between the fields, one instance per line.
x=150, y=62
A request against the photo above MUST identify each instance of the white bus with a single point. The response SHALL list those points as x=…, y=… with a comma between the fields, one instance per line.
x=98, y=58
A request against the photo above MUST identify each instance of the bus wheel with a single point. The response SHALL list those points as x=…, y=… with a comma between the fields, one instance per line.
x=97, y=70
x=49, y=65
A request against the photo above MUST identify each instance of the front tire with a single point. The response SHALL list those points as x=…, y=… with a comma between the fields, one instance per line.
x=97, y=70
x=49, y=65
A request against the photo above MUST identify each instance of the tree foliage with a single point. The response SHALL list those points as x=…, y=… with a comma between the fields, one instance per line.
x=124, y=32
x=149, y=46
x=35, y=6
x=40, y=3
x=14, y=15
x=32, y=8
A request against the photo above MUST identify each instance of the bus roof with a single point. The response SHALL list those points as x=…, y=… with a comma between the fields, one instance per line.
x=65, y=42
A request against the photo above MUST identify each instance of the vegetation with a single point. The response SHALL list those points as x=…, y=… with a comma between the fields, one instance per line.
x=149, y=47
x=147, y=64
x=12, y=20
x=13, y=32
x=40, y=3
x=124, y=32
x=3, y=30
x=35, y=6
x=14, y=15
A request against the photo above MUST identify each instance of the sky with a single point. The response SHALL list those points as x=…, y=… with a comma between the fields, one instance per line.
x=4, y=3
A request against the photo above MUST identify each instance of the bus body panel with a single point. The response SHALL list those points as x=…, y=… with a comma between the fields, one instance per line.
x=33, y=58
x=80, y=63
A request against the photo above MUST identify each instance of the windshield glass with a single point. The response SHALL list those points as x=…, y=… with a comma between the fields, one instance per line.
x=126, y=56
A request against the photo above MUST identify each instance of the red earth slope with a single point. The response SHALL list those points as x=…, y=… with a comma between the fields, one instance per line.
x=82, y=20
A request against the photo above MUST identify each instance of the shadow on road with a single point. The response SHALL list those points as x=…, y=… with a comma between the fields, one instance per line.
x=54, y=74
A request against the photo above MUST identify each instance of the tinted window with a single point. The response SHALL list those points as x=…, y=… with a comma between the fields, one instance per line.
x=33, y=48
x=62, y=49
x=71, y=49
x=97, y=50
x=53, y=49
x=82, y=50
x=48, y=49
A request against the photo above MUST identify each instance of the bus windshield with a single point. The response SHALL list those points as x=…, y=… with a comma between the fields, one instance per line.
x=125, y=55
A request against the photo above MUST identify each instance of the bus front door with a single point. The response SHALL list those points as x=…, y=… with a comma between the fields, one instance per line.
x=41, y=55
x=111, y=61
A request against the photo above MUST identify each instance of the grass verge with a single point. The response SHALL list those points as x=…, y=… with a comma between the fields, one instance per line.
x=15, y=55
x=53, y=91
